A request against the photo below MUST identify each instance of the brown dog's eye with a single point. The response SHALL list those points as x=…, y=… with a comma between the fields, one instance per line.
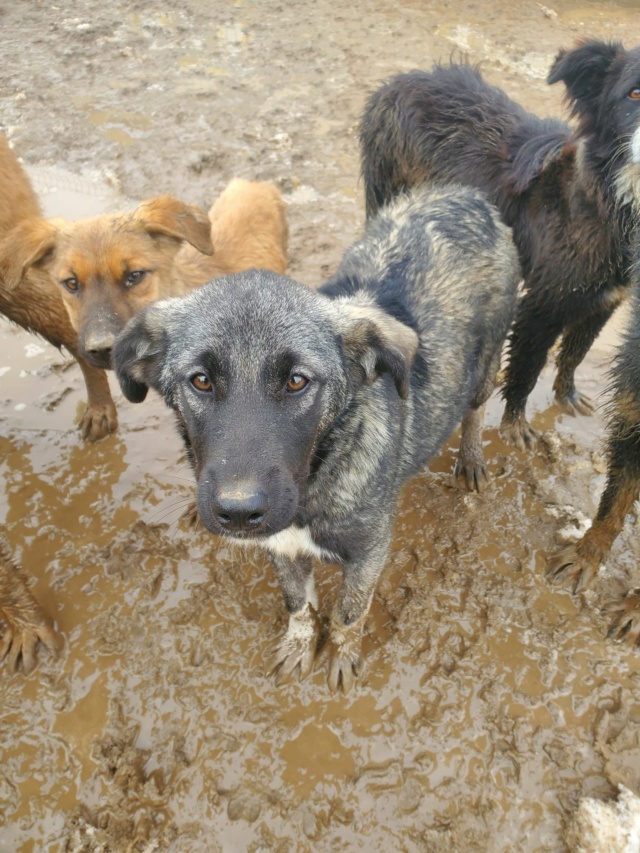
x=201, y=382
x=634, y=94
x=71, y=284
x=296, y=383
x=135, y=277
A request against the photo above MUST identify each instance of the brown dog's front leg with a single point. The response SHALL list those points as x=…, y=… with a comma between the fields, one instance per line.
x=100, y=417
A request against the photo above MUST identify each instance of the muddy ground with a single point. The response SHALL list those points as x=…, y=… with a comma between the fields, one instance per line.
x=491, y=702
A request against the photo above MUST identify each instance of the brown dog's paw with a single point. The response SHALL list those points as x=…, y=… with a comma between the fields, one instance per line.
x=518, y=432
x=575, y=403
x=98, y=421
x=625, y=625
x=297, y=649
x=572, y=568
x=473, y=474
x=19, y=641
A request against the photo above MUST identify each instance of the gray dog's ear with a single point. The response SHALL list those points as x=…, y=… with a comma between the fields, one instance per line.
x=378, y=343
x=137, y=353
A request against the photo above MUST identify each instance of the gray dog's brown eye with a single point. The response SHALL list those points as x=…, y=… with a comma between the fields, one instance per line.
x=135, y=277
x=634, y=94
x=70, y=284
x=296, y=383
x=201, y=382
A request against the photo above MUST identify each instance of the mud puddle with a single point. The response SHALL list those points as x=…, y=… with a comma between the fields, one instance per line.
x=490, y=704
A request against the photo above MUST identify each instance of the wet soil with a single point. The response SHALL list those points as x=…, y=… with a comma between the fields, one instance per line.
x=491, y=702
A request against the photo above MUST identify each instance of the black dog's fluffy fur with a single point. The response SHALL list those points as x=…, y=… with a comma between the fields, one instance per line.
x=304, y=411
x=571, y=196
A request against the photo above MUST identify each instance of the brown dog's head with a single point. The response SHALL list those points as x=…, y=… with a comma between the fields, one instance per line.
x=113, y=265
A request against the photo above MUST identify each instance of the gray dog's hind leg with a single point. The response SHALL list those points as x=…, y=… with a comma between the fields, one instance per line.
x=470, y=464
x=298, y=646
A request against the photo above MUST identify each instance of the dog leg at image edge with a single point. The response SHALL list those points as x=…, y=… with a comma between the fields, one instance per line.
x=25, y=620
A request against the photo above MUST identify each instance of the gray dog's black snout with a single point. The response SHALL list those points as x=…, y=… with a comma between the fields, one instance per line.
x=241, y=509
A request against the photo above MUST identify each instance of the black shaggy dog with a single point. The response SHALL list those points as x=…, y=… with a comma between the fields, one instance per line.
x=571, y=196
x=577, y=564
x=304, y=411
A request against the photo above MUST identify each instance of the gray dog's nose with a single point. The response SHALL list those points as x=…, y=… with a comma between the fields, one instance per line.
x=241, y=508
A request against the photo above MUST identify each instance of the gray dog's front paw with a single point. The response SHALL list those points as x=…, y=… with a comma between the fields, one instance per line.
x=297, y=649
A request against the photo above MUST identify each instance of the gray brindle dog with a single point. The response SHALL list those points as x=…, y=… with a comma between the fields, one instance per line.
x=304, y=411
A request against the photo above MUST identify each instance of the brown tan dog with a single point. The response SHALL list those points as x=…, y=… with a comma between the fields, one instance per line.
x=30, y=298
x=113, y=265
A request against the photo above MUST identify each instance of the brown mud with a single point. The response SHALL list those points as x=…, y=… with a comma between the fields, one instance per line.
x=491, y=702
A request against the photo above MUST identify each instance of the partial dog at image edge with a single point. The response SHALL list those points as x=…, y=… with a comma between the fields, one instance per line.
x=572, y=197
x=578, y=564
x=26, y=622
x=303, y=411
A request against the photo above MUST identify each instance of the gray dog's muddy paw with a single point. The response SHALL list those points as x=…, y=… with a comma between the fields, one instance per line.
x=297, y=649
x=572, y=568
x=473, y=474
x=518, y=432
x=575, y=403
x=342, y=651
x=98, y=421
x=19, y=642
x=625, y=625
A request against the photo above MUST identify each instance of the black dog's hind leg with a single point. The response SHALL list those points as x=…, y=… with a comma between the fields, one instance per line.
x=576, y=343
x=532, y=336
x=298, y=646
x=470, y=464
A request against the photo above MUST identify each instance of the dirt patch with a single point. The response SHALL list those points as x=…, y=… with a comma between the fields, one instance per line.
x=491, y=703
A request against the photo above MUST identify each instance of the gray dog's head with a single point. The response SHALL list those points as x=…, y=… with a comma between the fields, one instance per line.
x=258, y=367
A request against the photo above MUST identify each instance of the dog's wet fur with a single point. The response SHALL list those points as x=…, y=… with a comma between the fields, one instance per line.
x=571, y=196
x=304, y=411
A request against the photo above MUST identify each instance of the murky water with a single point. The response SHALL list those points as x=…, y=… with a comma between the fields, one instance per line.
x=490, y=702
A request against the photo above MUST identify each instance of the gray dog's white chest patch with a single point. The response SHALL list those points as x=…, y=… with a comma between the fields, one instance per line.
x=291, y=542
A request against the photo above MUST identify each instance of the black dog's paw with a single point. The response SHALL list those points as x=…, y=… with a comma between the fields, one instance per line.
x=625, y=625
x=572, y=568
x=575, y=403
x=518, y=432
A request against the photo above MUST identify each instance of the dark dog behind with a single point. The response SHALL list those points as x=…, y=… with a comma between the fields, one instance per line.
x=578, y=564
x=304, y=411
x=571, y=196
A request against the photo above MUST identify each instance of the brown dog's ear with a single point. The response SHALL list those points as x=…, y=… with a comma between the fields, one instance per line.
x=137, y=353
x=173, y=218
x=24, y=246
x=378, y=343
